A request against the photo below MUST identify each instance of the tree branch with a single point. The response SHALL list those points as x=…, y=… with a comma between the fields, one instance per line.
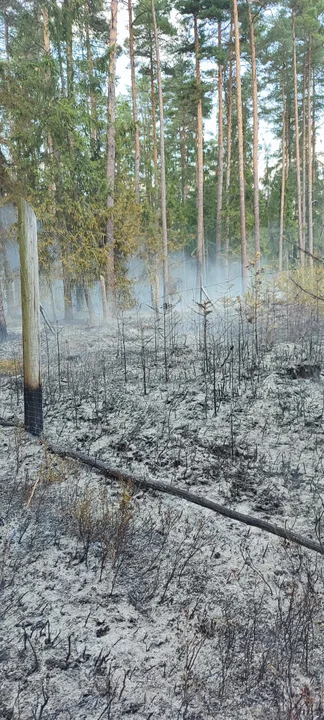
x=144, y=484
x=168, y=489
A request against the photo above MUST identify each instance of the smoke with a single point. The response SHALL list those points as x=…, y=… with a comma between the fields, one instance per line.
x=221, y=280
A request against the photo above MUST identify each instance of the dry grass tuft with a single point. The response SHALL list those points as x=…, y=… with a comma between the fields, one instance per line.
x=10, y=367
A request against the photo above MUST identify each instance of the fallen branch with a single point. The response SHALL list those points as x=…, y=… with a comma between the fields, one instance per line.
x=162, y=487
x=168, y=489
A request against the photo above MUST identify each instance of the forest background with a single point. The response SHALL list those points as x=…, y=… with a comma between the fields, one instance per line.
x=174, y=161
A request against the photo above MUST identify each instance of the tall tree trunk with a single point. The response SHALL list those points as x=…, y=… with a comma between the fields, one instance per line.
x=184, y=163
x=304, y=138
x=111, y=148
x=154, y=131
x=68, y=22
x=69, y=48
x=3, y=325
x=11, y=124
x=240, y=141
x=148, y=158
x=283, y=174
x=229, y=138
x=314, y=129
x=200, y=159
x=162, y=161
x=220, y=170
x=299, y=204
x=89, y=303
x=255, y=134
x=60, y=61
x=288, y=141
x=134, y=99
x=93, y=104
x=47, y=47
x=67, y=292
x=310, y=155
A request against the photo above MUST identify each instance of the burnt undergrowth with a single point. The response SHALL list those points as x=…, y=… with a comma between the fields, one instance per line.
x=115, y=603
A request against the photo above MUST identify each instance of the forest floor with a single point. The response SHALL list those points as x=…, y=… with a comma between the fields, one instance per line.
x=120, y=603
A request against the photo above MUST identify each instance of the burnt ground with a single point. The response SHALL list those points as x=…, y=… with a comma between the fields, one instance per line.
x=117, y=603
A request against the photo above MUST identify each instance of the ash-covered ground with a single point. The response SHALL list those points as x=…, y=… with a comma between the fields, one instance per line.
x=118, y=603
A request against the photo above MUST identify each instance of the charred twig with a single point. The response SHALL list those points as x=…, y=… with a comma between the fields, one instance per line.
x=66, y=661
x=27, y=639
x=42, y=704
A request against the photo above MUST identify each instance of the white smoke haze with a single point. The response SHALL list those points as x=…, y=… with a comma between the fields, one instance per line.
x=222, y=281
x=185, y=292
x=219, y=281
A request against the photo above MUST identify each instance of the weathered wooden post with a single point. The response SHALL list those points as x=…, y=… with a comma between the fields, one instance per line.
x=27, y=236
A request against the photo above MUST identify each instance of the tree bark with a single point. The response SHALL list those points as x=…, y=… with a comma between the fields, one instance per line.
x=310, y=156
x=200, y=160
x=60, y=61
x=3, y=324
x=168, y=489
x=304, y=143
x=111, y=149
x=69, y=48
x=162, y=161
x=288, y=141
x=314, y=129
x=240, y=142
x=283, y=175
x=184, y=163
x=229, y=138
x=299, y=203
x=89, y=303
x=255, y=134
x=154, y=131
x=134, y=100
x=47, y=47
x=67, y=295
x=220, y=169
x=93, y=104
x=11, y=122
x=147, y=169
x=103, y=298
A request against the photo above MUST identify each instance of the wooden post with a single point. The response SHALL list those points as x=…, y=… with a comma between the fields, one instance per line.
x=29, y=278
